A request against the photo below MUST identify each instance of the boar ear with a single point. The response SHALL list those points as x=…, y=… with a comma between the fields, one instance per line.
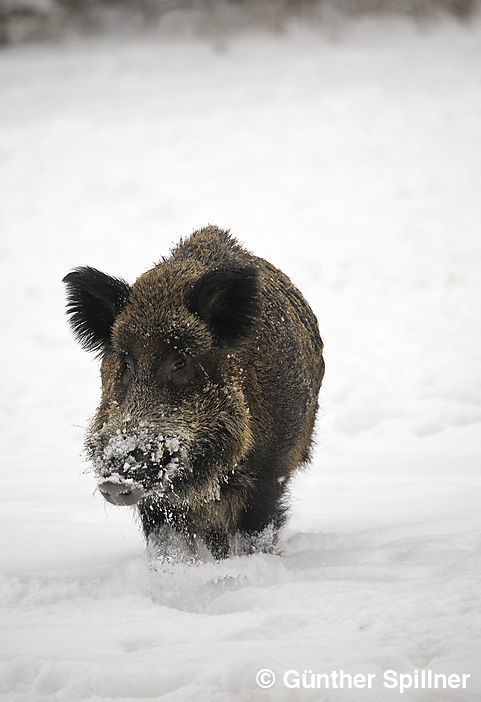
x=227, y=298
x=94, y=299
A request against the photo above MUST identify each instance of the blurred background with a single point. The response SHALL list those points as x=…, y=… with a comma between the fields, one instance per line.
x=22, y=20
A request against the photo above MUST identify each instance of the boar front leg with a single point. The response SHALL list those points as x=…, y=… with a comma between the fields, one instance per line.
x=167, y=542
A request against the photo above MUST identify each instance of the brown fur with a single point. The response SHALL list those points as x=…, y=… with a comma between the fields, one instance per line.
x=250, y=405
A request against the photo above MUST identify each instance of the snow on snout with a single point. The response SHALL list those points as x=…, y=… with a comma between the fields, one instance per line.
x=135, y=456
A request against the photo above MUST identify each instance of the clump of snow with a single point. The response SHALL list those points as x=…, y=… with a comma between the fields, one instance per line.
x=137, y=455
x=262, y=542
x=118, y=479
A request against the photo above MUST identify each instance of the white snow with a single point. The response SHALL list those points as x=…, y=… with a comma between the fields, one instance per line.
x=352, y=161
x=121, y=445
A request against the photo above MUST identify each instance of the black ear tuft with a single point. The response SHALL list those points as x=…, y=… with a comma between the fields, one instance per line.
x=227, y=298
x=94, y=299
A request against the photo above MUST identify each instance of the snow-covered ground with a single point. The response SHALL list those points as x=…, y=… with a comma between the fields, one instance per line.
x=352, y=161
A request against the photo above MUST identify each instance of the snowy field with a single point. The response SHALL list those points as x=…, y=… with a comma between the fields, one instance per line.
x=352, y=161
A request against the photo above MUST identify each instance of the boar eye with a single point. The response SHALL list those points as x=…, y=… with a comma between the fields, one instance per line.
x=178, y=365
x=124, y=371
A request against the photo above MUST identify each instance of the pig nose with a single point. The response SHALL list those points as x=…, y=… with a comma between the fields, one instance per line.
x=120, y=493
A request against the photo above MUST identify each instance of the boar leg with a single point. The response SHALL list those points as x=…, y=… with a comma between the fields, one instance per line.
x=218, y=543
x=265, y=511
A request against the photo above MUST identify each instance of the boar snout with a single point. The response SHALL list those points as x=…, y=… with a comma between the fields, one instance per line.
x=120, y=492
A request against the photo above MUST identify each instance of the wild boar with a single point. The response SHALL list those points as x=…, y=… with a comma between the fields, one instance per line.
x=211, y=365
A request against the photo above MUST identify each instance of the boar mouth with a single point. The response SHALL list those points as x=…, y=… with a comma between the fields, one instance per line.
x=132, y=463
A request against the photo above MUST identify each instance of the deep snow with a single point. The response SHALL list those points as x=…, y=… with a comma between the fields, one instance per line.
x=350, y=160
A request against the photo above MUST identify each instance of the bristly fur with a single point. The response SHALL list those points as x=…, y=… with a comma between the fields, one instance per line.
x=242, y=404
x=227, y=299
x=94, y=299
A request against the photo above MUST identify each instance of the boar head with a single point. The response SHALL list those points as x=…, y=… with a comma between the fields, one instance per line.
x=173, y=420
